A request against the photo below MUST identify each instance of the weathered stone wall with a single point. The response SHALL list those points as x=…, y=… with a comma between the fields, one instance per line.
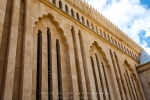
x=144, y=73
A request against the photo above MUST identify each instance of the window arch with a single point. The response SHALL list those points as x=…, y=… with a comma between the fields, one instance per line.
x=72, y=13
x=66, y=9
x=83, y=20
x=87, y=23
x=130, y=53
x=108, y=37
x=124, y=49
x=127, y=51
x=133, y=55
x=105, y=35
x=118, y=45
x=112, y=40
x=49, y=69
x=39, y=65
x=96, y=29
x=54, y=2
x=121, y=47
x=92, y=26
x=115, y=43
x=100, y=32
x=60, y=5
x=137, y=57
x=78, y=17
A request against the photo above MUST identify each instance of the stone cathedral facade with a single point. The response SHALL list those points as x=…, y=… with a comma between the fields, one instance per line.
x=65, y=50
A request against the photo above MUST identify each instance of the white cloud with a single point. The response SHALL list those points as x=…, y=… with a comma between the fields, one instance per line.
x=129, y=15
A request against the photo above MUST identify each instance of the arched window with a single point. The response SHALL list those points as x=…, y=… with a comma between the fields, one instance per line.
x=108, y=37
x=66, y=9
x=54, y=2
x=97, y=29
x=78, y=18
x=118, y=45
x=49, y=62
x=124, y=49
x=83, y=20
x=72, y=13
x=92, y=26
x=87, y=23
x=39, y=66
x=131, y=54
x=121, y=47
x=100, y=32
x=136, y=57
x=127, y=51
x=115, y=43
x=112, y=40
x=105, y=35
x=60, y=5
x=59, y=73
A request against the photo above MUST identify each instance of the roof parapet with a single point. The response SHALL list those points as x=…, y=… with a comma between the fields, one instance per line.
x=88, y=9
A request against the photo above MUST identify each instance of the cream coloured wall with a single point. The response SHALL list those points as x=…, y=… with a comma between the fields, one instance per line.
x=42, y=15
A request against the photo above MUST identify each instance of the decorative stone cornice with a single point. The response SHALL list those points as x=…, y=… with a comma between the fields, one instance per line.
x=97, y=18
x=143, y=67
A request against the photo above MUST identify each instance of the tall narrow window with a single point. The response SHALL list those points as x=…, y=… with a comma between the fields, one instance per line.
x=121, y=80
x=116, y=74
x=78, y=18
x=84, y=64
x=72, y=13
x=128, y=86
x=87, y=23
x=59, y=70
x=127, y=51
x=115, y=43
x=94, y=73
x=134, y=56
x=83, y=20
x=134, y=88
x=130, y=53
x=128, y=78
x=60, y=5
x=124, y=49
x=66, y=9
x=39, y=66
x=92, y=26
x=100, y=77
x=105, y=35
x=121, y=47
x=100, y=32
x=118, y=45
x=108, y=37
x=78, y=69
x=96, y=29
x=112, y=41
x=49, y=64
x=54, y=2
x=106, y=81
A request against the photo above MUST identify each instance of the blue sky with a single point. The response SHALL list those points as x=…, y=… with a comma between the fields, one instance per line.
x=146, y=2
x=131, y=16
